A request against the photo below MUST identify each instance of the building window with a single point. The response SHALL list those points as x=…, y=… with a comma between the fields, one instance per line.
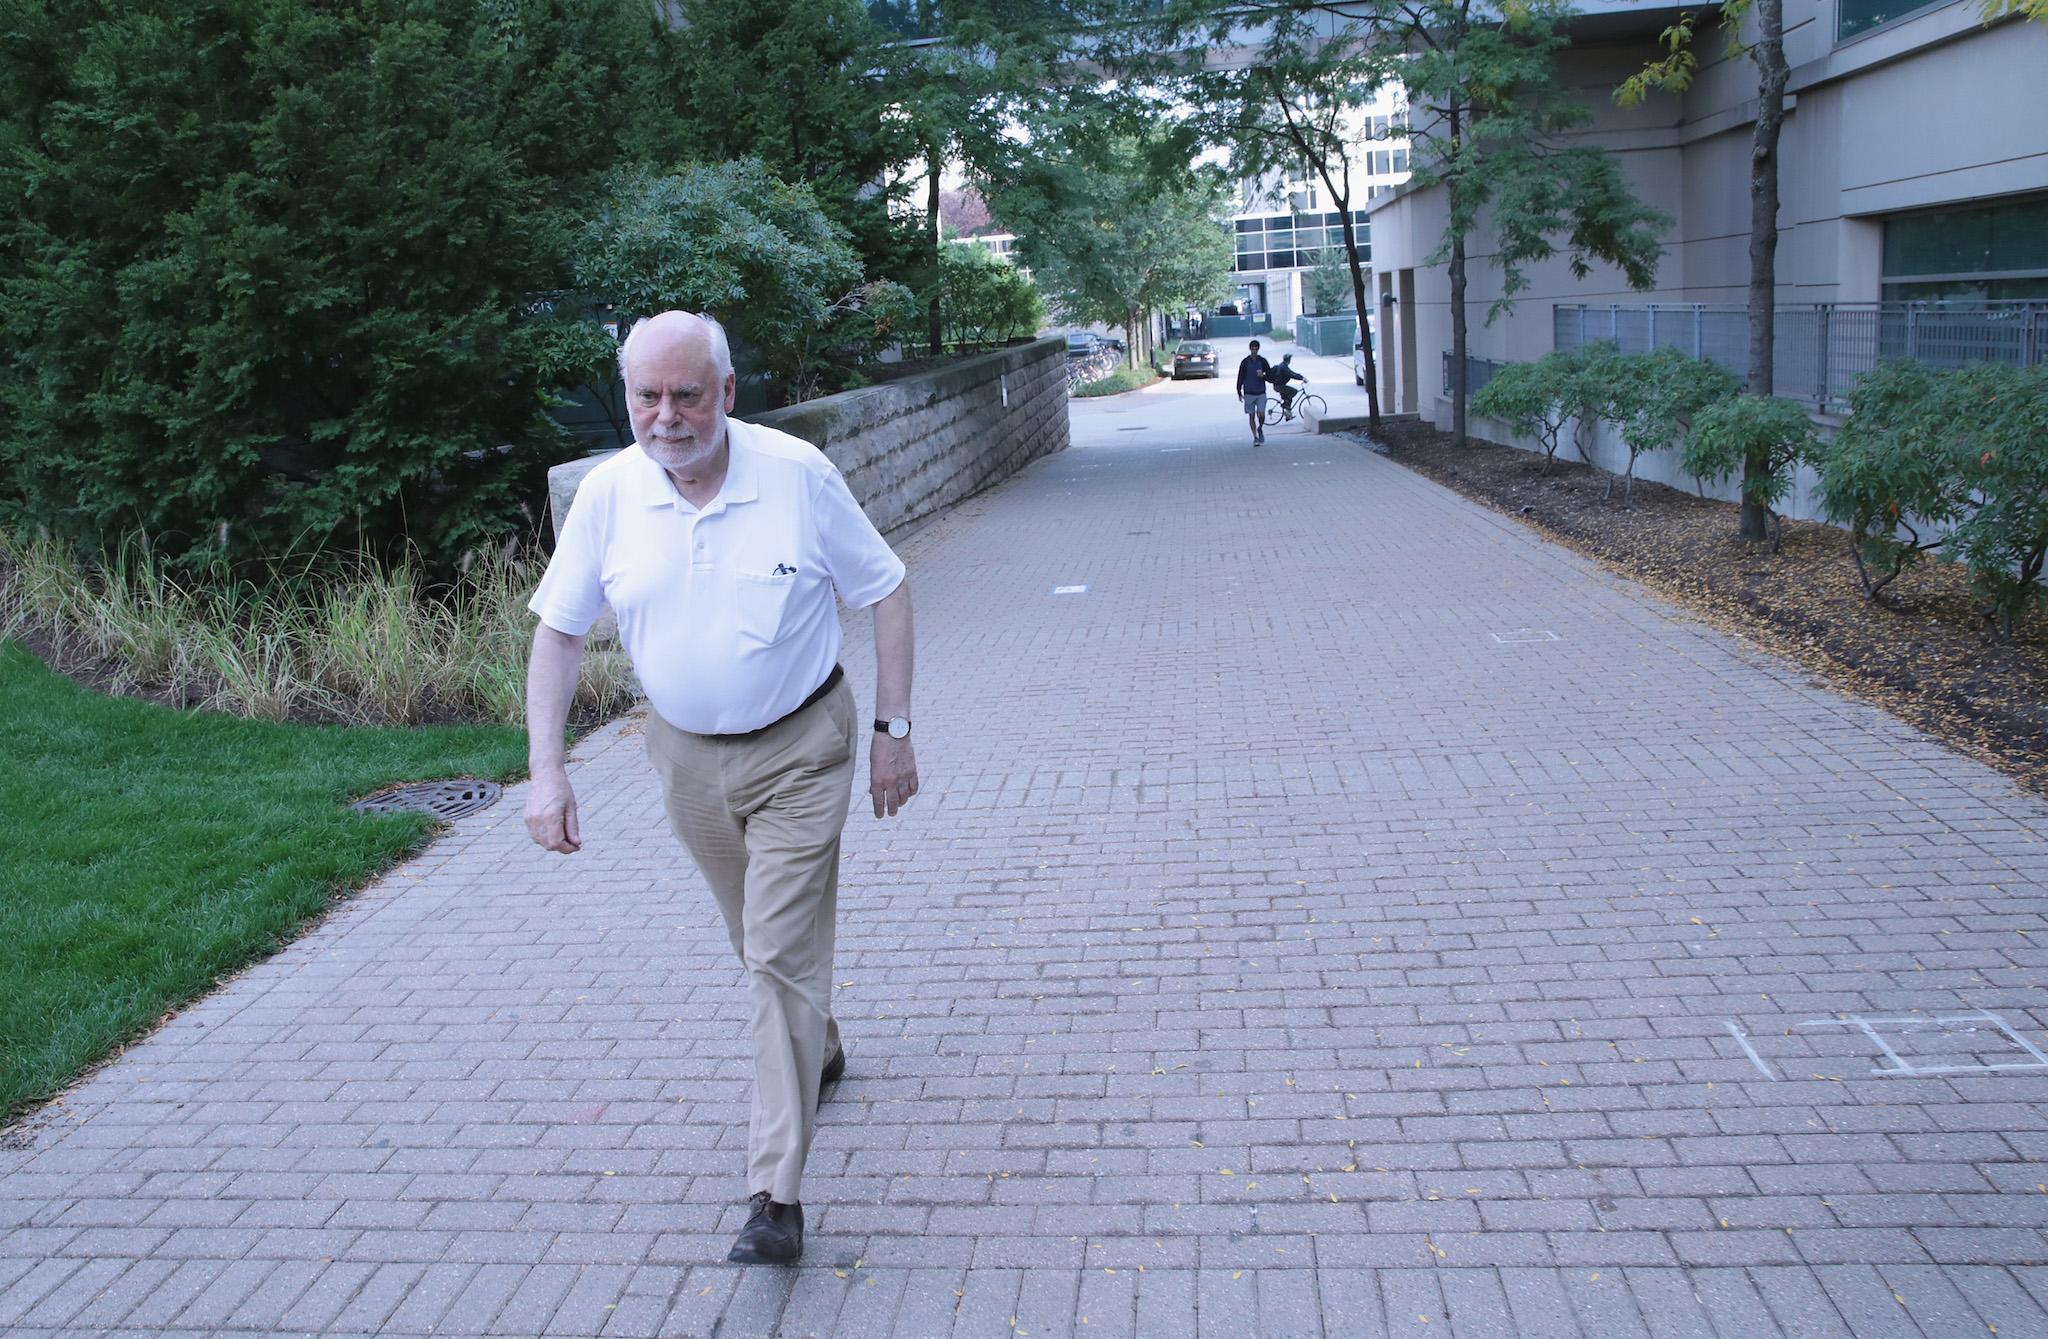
x=1979, y=253
x=1860, y=16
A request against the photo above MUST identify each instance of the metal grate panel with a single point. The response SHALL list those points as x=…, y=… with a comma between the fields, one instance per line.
x=443, y=799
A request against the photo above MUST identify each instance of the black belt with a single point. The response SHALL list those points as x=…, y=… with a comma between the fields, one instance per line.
x=817, y=696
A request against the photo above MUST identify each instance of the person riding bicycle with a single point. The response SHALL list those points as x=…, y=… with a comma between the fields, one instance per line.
x=1280, y=377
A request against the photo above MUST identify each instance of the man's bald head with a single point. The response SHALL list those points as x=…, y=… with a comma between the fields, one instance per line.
x=673, y=328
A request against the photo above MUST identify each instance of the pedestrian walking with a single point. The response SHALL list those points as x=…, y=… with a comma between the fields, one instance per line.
x=719, y=546
x=1251, y=388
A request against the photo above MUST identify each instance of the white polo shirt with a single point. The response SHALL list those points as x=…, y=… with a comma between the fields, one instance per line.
x=726, y=612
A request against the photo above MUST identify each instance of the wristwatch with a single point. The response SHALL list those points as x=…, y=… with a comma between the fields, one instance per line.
x=896, y=727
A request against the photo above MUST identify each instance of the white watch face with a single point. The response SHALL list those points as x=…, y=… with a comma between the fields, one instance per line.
x=899, y=728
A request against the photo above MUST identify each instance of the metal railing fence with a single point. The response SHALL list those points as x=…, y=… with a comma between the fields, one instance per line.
x=1822, y=348
x=1478, y=371
x=1330, y=336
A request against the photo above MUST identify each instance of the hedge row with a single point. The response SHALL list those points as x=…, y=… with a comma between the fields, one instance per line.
x=1951, y=463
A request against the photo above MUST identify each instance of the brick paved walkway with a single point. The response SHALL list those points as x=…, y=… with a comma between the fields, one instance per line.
x=1350, y=916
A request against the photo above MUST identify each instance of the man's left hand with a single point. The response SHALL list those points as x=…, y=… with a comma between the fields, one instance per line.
x=892, y=773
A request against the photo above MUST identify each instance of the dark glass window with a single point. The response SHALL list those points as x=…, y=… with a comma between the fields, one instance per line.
x=1984, y=252
x=1858, y=16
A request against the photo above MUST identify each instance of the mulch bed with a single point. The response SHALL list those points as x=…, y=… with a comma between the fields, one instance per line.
x=1922, y=653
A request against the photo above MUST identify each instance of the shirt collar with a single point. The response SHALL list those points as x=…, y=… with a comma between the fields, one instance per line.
x=741, y=484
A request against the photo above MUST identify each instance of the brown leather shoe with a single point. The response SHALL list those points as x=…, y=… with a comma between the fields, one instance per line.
x=773, y=1236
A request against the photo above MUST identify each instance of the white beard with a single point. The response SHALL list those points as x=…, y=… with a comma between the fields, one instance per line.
x=681, y=454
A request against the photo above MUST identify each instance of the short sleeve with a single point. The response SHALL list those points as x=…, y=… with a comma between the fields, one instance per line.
x=571, y=592
x=862, y=566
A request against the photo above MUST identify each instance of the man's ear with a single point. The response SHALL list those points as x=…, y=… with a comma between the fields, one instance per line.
x=732, y=386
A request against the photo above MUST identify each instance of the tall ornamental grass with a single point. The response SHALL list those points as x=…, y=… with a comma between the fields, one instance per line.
x=364, y=643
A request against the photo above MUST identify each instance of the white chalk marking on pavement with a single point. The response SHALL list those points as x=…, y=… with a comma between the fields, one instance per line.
x=1070, y=590
x=1901, y=1066
x=1749, y=1050
x=1168, y=450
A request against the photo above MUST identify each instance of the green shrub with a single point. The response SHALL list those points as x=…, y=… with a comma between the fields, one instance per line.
x=1119, y=381
x=1652, y=399
x=1779, y=434
x=1542, y=398
x=1961, y=455
x=983, y=299
x=1997, y=418
x=757, y=252
x=267, y=268
x=1886, y=478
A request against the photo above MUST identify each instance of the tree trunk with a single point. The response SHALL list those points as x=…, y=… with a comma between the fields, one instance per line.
x=1769, y=54
x=1459, y=363
x=1131, y=327
x=1458, y=360
x=935, y=329
x=1363, y=304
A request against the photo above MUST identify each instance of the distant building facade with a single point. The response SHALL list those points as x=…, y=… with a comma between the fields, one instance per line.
x=1284, y=222
x=1913, y=169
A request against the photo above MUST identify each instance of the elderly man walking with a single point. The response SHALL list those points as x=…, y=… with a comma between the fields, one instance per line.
x=719, y=545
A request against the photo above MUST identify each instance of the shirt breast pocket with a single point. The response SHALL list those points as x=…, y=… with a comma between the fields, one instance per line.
x=761, y=606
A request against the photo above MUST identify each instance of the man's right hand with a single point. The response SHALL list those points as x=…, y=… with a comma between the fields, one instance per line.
x=551, y=813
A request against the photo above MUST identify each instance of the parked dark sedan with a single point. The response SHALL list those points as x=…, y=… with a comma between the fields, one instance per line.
x=1194, y=359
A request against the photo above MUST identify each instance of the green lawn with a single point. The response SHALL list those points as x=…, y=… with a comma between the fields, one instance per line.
x=147, y=852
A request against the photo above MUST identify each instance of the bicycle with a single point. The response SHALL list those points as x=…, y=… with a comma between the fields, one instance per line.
x=1306, y=405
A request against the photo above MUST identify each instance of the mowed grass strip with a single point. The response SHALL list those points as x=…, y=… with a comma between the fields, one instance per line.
x=146, y=852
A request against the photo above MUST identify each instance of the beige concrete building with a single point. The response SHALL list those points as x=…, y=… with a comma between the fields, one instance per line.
x=1914, y=167
x=1283, y=222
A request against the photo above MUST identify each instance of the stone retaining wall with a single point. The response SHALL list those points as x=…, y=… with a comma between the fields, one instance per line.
x=916, y=446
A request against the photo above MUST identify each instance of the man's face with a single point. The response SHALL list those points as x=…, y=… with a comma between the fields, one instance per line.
x=1255, y=346
x=677, y=400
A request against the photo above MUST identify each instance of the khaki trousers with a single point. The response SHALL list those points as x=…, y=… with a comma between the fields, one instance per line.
x=761, y=815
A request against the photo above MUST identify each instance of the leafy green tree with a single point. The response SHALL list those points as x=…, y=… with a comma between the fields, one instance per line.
x=1117, y=231
x=1762, y=43
x=1329, y=283
x=986, y=301
x=1485, y=106
x=1760, y=438
x=1292, y=109
x=754, y=251
x=991, y=80
x=807, y=87
x=266, y=269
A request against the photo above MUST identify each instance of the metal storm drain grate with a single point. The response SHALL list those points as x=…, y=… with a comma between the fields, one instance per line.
x=442, y=799
x=1524, y=636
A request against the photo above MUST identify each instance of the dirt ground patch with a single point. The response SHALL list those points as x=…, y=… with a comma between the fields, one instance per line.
x=1923, y=653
